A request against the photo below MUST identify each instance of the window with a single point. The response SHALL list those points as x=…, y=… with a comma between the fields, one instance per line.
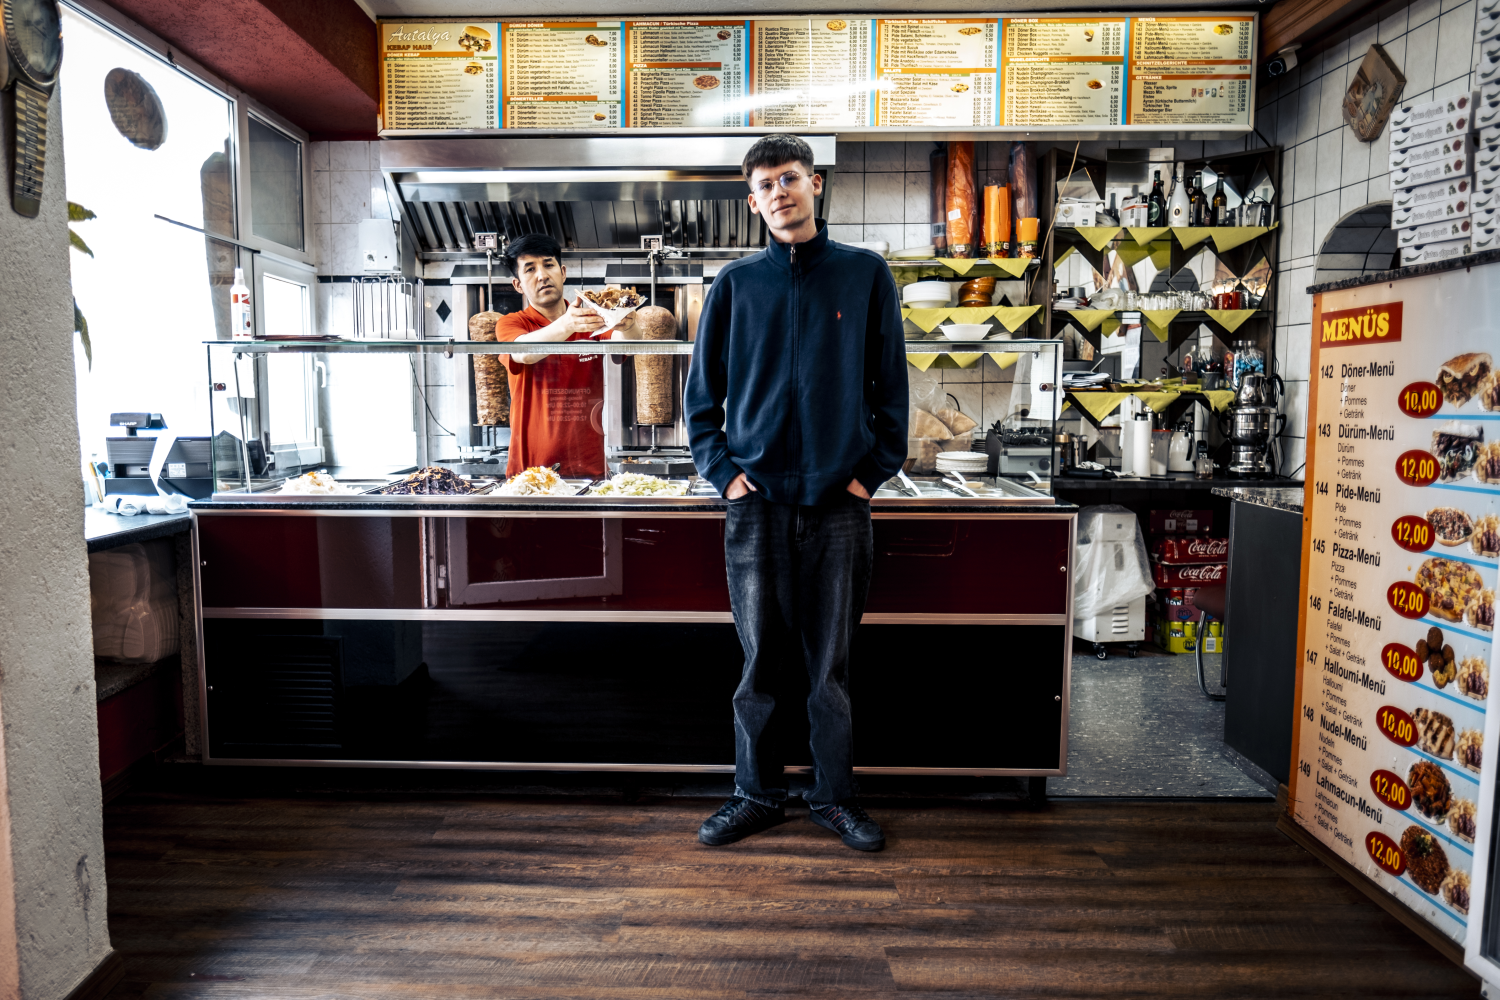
x=275, y=168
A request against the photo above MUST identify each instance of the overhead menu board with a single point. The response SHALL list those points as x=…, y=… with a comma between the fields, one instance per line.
x=936, y=72
x=438, y=76
x=810, y=72
x=1191, y=70
x=1400, y=540
x=685, y=73
x=841, y=72
x=1063, y=70
x=561, y=74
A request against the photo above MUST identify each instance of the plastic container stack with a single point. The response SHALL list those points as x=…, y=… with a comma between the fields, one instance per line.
x=1185, y=555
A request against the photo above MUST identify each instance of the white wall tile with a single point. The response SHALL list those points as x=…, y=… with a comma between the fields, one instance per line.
x=996, y=399
x=1335, y=56
x=1308, y=101
x=849, y=156
x=1455, y=48
x=317, y=155
x=349, y=195
x=318, y=197
x=1330, y=161
x=1380, y=188
x=1360, y=43
x=1352, y=198
x=890, y=232
x=1422, y=11
x=918, y=156
x=885, y=156
x=1280, y=340
x=1420, y=63
x=322, y=234
x=382, y=203
x=343, y=250
x=349, y=156
x=992, y=372
x=1299, y=303
x=916, y=235
x=885, y=197
x=969, y=395
x=1357, y=158
x=1396, y=50
x=1294, y=405
x=1305, y=170
x=848, y=195
x=973, y=374
x=1326, y=215
x=1294, y=453
x=1296, y=361
x=1392, y=27
x=1287, y=121
x=1330, y=103
x=848, y=233
x=917, y=196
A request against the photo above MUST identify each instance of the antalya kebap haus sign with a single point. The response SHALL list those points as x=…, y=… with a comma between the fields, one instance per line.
x=1401, y=537
x=1098, y=72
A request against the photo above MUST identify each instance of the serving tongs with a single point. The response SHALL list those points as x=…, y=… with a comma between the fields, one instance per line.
x=961, y=487
x=907, y=487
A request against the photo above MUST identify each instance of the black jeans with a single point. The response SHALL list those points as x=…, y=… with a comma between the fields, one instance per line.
x=797, y=583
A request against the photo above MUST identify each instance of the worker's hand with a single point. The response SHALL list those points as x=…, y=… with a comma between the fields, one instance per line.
x=626, y=329
x=738, y=487
x=858, y=490
x=581, y=319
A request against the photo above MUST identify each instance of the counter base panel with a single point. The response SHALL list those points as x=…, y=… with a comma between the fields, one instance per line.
x=960, y=699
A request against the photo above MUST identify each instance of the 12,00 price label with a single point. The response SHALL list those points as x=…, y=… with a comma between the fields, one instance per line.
x=1402, y=662
x=1396, y=725
x=1407, y=599
x=1386, y=853
x=1420, y=399
x=1390, y=789
x=1412, y=532
x=1416, y=468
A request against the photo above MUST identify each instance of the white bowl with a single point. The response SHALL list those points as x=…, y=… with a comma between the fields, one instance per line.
x=927, y=291
x=926, y=303
x=916, y=253
x=965, y=331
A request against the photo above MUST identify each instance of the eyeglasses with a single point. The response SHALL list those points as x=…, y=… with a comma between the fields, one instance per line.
x=787, y=181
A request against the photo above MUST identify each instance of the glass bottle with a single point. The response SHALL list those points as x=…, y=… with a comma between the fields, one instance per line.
x=1203, y=465
x=1220, y=205
x=1179, y=208
x=1199, y=210
x=1156, y=204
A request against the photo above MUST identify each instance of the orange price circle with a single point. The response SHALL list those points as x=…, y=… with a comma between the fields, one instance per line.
x=1390, y=789
x=1413, y=533
x=1396, y=726
x=1402, y=662
x=1407, y=599
x=1386, y=853
x=1420, y=399
x=1417, y=468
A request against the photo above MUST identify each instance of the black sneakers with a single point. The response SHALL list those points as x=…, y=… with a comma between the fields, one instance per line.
x=736, y=819
x=849, y=820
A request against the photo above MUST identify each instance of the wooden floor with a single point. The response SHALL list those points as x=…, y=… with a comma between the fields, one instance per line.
x=560, y=897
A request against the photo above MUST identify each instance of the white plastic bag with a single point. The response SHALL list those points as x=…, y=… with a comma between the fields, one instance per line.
x=1112, y=567
x=133, y=599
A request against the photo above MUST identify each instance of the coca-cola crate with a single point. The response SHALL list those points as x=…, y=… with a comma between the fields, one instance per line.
x=1190, y=549
x=1190, y=575
x=1182, y=522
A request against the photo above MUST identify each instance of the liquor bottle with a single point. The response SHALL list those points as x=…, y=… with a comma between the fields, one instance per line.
x=240, y=326
x=1199, y=209
x=1156, y=204
x=1220, y=205
x=1179, y=209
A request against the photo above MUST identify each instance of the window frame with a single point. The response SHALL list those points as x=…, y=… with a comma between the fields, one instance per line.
x=244, y=110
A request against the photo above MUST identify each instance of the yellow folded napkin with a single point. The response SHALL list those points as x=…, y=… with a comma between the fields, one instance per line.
x=1014, y=317
x=1188, y=236
x=1098, y=236
x=1229, y=237
x=921, y=361
x=927, y=319
x=1089, y=319
x=1230, y=319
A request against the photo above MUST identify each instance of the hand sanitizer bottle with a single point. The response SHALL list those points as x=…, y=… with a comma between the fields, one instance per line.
x=241, y=326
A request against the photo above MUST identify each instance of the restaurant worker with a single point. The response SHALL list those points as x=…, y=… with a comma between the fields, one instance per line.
x=557, y=400
x=796, y=411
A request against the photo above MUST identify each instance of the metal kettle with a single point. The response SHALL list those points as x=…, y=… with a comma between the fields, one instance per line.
x=1259, y=389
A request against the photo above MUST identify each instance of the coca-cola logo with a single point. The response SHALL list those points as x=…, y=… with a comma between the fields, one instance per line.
x=1180, y=513
x=1206, y=573
x=1207, y=547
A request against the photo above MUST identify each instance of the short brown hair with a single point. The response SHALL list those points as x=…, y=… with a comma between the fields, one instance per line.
x=774, y=150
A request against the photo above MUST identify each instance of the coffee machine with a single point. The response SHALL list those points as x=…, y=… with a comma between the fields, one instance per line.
x=1252, y=425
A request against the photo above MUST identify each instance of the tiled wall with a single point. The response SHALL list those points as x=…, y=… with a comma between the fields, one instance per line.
x=1328, y=175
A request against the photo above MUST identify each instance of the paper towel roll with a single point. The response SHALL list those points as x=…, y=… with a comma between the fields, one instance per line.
x=1140, y=445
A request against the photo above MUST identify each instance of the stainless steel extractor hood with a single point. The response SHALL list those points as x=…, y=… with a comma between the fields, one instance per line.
x=594, y=193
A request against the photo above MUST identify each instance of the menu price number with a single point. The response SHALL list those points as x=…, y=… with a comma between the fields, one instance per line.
x=1396, y=726
x=1386, y=853
x=1321, y=489
x=1326, y=371
x=1417, y=468
x=1316, y=602
x=1401, y=661
x=1325, y=430
x=1420, y=399
x=1407, y=599
x=1413, y=533
x=1390, y=789
x=1305, y=768
x=1319, y=546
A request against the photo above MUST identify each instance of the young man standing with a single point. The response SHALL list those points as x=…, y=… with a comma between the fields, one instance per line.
x=796, y=410
x=557, y=400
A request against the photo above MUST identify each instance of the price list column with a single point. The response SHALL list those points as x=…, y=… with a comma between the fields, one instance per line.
x=1191, y=70
x=1400, y=546
x=685, y=73
x=562, y=74
x=1061, y=71
x=439, y=76
x=937, y=71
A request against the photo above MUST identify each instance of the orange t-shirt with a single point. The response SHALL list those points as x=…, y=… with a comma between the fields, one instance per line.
x=556, y=405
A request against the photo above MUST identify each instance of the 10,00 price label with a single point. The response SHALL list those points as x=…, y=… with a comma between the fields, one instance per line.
x=1386, y=853
x=1402, y=662
x=1412, y=532
x=1396, y=725
x=1407, y=599
x=1420, y=399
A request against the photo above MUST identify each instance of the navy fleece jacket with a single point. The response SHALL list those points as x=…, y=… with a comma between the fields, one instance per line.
x=799, y=373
